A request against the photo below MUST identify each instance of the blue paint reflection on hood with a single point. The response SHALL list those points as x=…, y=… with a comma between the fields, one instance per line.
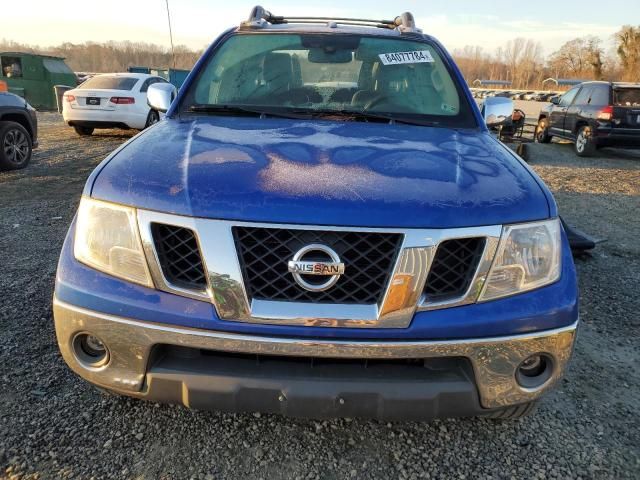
x=322, y=172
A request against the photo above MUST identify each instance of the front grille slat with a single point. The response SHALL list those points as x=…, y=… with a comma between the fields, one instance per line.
x=453, y=268
x=179, y=256
x=369, y=258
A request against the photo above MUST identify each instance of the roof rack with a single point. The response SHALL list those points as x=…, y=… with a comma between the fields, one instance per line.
x=260, y=18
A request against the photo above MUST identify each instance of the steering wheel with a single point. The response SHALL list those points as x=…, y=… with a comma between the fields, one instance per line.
x=374, y=102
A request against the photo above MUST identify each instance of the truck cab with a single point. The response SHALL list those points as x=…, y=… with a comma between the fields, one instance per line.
x=322, y=225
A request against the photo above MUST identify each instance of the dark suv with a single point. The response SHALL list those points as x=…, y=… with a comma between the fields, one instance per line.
x=18, y=131
x=594, y=115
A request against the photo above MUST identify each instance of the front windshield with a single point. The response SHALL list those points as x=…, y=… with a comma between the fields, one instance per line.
x=338, y=74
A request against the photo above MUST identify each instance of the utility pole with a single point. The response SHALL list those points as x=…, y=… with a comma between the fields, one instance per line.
x=173, y=55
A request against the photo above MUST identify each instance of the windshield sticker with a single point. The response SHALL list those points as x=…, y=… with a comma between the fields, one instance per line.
x=399, y=58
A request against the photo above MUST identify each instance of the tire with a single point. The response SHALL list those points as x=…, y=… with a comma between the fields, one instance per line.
x=515, y=412
x=542, y=132
x=152, y=118
x=16, y=146
x=584, y=146
x=83, y=131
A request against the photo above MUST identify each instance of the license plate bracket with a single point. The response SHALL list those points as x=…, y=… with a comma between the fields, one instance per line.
x=93, y=100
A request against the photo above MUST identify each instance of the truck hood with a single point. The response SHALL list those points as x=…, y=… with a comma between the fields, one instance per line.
x=322, y=173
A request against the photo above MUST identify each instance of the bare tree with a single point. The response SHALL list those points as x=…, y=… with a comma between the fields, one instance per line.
x=519, y=62
x=111, y=56
x=578, y=58
x=628, y=41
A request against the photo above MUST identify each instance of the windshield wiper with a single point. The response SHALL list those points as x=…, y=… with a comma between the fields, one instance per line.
x=378, y=116
x=242, y=110
x=223, y=109
x=308, y=113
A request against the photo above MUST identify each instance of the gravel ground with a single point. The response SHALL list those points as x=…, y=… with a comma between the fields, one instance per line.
x=54, y=425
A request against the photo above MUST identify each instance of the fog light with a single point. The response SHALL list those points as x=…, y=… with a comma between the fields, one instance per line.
x=531, y=367
x=90, y=350
x=93, y=346
x=534, y=371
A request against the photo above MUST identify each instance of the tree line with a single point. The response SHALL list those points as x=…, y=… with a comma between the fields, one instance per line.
x=112, y=56
x=522, y=63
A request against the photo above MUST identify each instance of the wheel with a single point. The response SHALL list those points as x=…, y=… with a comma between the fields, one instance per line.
x=542, y=132
x=515, y=412
x=153, y=117
x=83, y=131
x=584, y=145
x=15, y=146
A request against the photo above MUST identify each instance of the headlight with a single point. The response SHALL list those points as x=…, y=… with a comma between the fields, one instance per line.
x=108, y=240
x=528, y=257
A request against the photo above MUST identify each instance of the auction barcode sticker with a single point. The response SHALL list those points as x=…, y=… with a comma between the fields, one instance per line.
x=399, y=58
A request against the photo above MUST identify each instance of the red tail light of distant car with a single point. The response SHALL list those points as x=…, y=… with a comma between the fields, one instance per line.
x=123, y=100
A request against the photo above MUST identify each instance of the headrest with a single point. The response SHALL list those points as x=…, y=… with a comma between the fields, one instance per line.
x=401, y=77
x=391, y=77
x=277, y=67
x=392, y=73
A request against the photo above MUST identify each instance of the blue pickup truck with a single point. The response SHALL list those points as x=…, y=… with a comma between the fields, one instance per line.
x=321, y=226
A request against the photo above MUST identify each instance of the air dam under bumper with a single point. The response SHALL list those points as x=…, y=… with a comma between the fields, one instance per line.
x=134, y=369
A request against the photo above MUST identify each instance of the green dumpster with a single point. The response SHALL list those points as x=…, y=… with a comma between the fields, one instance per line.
x=175, y=76
x=33, y=76
x=138, y=70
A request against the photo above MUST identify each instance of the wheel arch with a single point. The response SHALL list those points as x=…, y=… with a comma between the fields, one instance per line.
x=579, y=124
x=17, y=118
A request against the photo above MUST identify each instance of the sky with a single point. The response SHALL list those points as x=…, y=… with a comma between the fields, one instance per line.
x=196, y=23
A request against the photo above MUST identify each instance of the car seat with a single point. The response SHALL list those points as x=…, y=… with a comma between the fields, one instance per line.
x=405, y=86
x=282, y=82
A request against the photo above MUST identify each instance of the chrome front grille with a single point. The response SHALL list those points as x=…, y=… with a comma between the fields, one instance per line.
x=389, y=274
x=369, y=258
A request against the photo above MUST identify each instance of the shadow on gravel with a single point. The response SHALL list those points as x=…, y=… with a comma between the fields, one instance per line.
x=123, y=135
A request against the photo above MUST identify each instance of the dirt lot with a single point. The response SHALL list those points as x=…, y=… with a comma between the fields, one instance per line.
x=52, y=424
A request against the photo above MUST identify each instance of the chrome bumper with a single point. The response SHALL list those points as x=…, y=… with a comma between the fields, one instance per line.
x=130, y=342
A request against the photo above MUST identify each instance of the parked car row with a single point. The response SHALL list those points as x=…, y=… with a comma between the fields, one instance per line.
x=515, y=94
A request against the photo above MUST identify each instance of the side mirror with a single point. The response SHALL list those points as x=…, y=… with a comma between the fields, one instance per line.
x=555, y=100
x=496, y=111
x=160, y=96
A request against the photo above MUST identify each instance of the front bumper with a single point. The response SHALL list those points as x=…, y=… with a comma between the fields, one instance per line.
x=136, y=368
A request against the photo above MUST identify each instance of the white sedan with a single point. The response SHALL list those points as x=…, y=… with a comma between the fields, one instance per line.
x=114, y=100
